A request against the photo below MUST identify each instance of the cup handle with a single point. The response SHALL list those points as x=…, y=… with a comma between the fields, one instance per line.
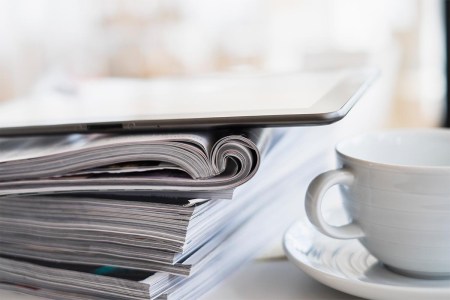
x=313, y=202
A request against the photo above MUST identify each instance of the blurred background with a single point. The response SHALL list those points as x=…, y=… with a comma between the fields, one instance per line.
x=48, y=44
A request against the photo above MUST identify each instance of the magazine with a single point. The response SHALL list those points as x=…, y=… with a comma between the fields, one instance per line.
x=199, y=164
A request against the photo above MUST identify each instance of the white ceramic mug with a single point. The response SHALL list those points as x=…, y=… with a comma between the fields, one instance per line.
x=396, y=189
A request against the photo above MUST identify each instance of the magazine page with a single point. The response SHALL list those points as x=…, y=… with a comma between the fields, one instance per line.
x=188, y=162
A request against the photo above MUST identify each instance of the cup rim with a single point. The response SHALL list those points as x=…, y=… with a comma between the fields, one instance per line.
x=396, y=166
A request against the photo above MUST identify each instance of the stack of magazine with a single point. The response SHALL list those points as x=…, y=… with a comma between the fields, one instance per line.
x=122, y=216
x=143, y=216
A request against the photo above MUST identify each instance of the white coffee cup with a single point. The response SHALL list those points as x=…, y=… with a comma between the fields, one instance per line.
x=396, y=189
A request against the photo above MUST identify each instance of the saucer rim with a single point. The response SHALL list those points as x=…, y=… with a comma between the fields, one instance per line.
x=356, y=287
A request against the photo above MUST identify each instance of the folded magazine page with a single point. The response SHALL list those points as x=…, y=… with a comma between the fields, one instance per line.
x=195, y=164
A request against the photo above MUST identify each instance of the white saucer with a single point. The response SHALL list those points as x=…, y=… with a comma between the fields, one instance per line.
x=346, y=266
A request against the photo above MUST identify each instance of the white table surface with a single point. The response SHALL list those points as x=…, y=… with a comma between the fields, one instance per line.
x=277, y=279
x=273, y=279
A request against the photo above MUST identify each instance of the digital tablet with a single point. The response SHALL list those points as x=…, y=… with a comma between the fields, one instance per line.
x=187, y=103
